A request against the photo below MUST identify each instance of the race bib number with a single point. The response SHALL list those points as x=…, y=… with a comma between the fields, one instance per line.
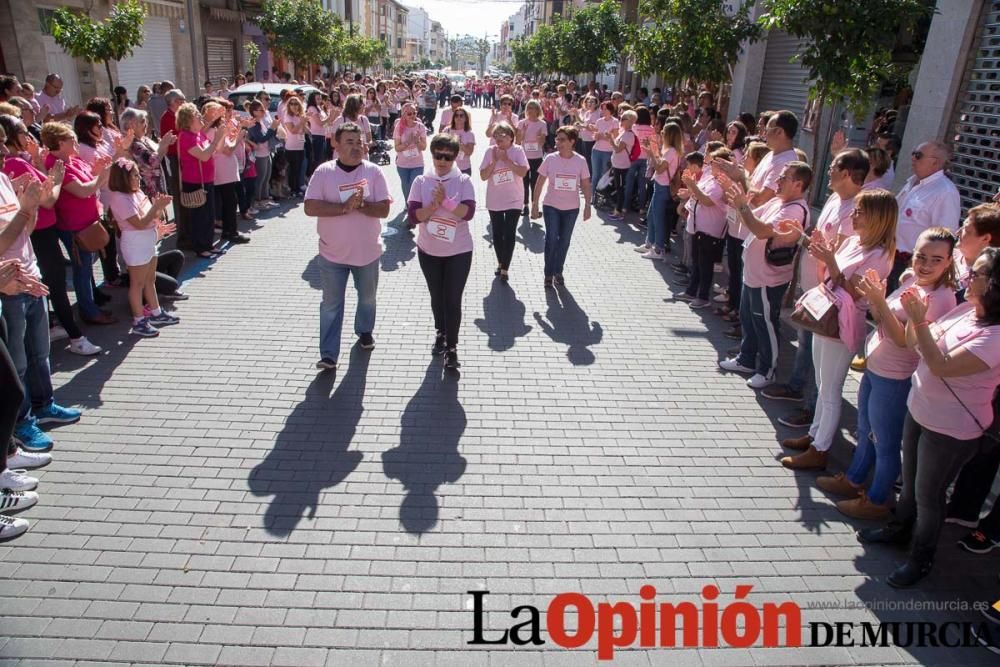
x=817, y=302
x=347, y=190
x=442, y=229
x=503, y=176
x=531, y=146
x=411, y=152
x=565, y=183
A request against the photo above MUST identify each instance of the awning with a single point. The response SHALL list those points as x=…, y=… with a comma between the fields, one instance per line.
x=230, y=15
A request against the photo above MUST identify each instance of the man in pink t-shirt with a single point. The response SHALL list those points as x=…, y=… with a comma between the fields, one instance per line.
x=349, y=196
x=764, y=283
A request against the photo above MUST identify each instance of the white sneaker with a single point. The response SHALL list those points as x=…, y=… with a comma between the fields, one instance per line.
x=655, y=255
x=28, y=460
x=643, y=248
x=734, y=366
x=718, y=289
x=16, y=480
x=83, y=347
x=252, y=211
x=16, y=501
x=758, y=381
x=57, y=333
x=721, y=297
x=11, y=527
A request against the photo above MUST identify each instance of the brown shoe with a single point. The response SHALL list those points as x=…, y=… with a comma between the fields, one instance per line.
x=101, y=319
x=839, y=485
x=862, y=508
x=811, y=459
x=799, y=444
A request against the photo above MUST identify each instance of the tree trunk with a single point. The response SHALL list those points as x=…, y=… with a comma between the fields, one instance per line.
x=111, y=87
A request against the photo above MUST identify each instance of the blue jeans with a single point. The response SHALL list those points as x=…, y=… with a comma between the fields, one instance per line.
x=27, y=320
x=881, y=413
x=558, y=233
x=803, y=364
x=656, y=219
x=333, y=278
x=635, y=183
x=318, y=152
x=406, y=177
x=599, y=163
x=83, y=276
x=760, y=308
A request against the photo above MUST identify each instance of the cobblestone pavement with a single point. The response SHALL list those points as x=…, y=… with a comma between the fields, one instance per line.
x=221, y=502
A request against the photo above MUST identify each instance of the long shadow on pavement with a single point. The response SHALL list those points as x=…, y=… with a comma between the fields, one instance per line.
x=532, y=235
x=432, y=425
x=569, y=324
x=400, y=247
x=311, y=453
x=503, y=317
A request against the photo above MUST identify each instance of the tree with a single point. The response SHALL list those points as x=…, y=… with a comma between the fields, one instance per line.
x=482, y=49
x=847, y=45
x=114, y=38
x=363, y=52
x=591, y=38
x=301, y=30
x=690, y=39
x=253, y=54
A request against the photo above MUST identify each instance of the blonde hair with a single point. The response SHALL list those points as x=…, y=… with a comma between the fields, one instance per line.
x=755, y=150
x=296, y=102
x=10, y=109
x=881, y=212
x=533, y=104
x=55, y=133
x=629, y=114
x=673, y=137
x=186, y=114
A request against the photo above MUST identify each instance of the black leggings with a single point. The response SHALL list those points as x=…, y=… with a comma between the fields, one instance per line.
x=446, y=277
x=52, y=264
x=229, y=197
x=531, y=178
x=504, y=224
x=706, y=251
x=11, y=397
x=168, y=269
x=295, y=169
x=618, y=178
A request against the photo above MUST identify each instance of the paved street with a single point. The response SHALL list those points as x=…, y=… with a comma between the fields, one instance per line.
x=222, y=503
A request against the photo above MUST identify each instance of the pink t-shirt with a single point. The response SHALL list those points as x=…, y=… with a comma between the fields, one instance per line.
x=463, y=161
x=588, y=118
x=190, y=165
x=295, y=133
x=932, y=405
x=227, y=167
x=75, y=213
x=21, y=248
x=620, y=159
x=834, y=219
x=504, y=190
x=854, y=260
x=765, y=176
x=564, y=180
x=709, y=220
x=446, y=118
x=604, y=125
x=124, y=205
x=315, y=117
x=445, y=234
x=411, y=157
x=511, y=120
x=756, y=270
x=14, y=167
x=672, y=158
x=354, y=239
x=885, y=358
x=533, y=137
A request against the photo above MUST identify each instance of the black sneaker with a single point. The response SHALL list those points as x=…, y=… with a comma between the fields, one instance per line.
x=174, y=296
x=782, y=392
x=736, y=332
x=892, y=534
x=439, y=347
x=366, y=341
x=801, y=418
x=237, y=239
x=977, y=542
x=451, y=359
x=326, y=364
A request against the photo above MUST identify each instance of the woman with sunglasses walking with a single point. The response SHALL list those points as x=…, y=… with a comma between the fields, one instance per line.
x=442, y=201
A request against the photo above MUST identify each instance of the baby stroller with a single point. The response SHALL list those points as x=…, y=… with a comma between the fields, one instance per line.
x=606, y=192
x=378, y=152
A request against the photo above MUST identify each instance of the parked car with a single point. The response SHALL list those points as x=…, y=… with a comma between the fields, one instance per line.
x=250, y=91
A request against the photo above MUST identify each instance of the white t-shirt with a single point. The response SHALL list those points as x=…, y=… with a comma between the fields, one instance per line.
x=21, y=248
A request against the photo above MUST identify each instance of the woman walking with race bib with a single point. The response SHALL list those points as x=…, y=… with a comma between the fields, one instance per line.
x=504, y=167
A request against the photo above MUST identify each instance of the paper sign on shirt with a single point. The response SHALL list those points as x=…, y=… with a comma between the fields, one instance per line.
x=411, y=152
x=531, y=146
x=565, y=182
x=442, y=229
x=347, y=191
x=817, y=302
x=503, y=176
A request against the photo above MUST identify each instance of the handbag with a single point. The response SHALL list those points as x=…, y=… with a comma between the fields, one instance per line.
x=783, y=255
x=991, y=435
x=92, y=238
x=195, y=198
x=817, y=311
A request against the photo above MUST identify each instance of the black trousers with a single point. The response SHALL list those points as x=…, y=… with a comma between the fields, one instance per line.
x=504, y=226
x=446, y=278
x=109, y=259
x=707, y=250
x=973, y=486
x=53, y=267
x=168, y=268
x=531, y=178
x=229, y=195
x=295, y=170
x=734, y=255
x=11, y=396
x=618, y=178
x=183, y=217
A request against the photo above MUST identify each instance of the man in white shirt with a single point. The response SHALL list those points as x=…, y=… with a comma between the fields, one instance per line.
x=928, y=199
x=51, y=97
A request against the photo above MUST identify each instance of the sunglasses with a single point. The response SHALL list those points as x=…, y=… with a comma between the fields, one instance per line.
x=917, y=155
x=446, y=157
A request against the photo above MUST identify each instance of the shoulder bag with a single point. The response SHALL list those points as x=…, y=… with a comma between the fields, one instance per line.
x=817, y=311
x=783, y=255
x=195, y=198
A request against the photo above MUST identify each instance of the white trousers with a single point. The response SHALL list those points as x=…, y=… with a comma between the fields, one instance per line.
x=831, y=361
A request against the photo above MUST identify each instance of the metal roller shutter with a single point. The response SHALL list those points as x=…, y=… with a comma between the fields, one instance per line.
x=151, y=62
x=975, y=165
x=220, y=59
x=783, y=84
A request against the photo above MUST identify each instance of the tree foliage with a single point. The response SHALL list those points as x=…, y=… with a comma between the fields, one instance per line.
x=301, y=30
x=847, y=45
x=591, y=38
x=253, y=53
x=112, y=39
x=690, y=39
x=361, y=51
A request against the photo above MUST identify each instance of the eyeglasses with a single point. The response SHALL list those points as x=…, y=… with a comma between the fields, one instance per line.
x=972, y=275
x=855, y=212
x=917, y=155
x=446, y=157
